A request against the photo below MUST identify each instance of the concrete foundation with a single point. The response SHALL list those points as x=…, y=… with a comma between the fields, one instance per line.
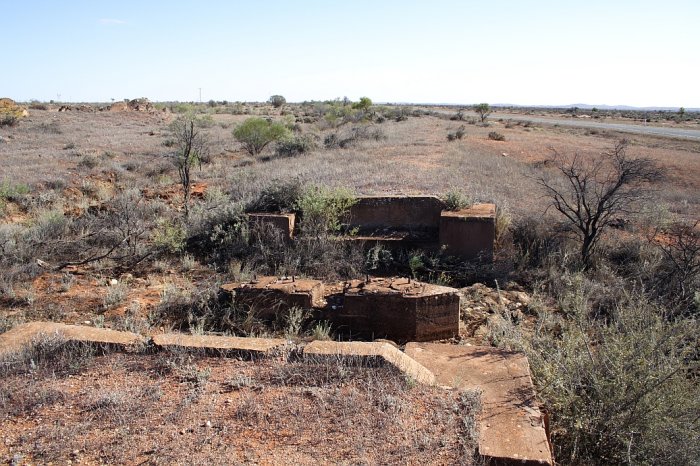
x=269, y=296
x=469, y=233
x=397, y=309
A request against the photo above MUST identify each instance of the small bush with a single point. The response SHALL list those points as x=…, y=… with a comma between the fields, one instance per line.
x=9, y=120
x=169, y=236
x=280, y=196
x=324, y=209
x=456, y=200
x=257, y=133
x=458, y=134
x=295, y=146
x=89, y=162
x=495, y=136
x=352, y=137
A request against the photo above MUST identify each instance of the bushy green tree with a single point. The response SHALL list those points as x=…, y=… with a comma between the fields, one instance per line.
x=256, y=133
x=277, y=100
x=364, y=104
x=484, y=110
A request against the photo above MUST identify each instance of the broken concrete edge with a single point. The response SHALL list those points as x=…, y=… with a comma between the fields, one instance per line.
x=18, y=339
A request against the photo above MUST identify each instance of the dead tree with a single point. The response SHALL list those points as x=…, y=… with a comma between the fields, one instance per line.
x=591, y=193
x=192, y=147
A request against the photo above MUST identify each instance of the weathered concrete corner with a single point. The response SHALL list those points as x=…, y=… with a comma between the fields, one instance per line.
x=511, y=425
x=370, y=353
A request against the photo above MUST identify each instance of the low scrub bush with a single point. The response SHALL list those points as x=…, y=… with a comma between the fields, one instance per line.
x=295, y=146
x=495, y=136
x=352, y=137
x=456, y=200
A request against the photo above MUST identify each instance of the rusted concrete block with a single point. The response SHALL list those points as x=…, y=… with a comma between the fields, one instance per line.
x=410, y=213
x=238, y=345
x=469, y=233
x=369, y=353
x=282, y=222
x=511, y=426
x=269, y=296
x=398, y=309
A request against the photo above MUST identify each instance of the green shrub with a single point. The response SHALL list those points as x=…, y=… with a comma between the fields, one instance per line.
x=458, y=134
x=277, y=100
x=456, y=200
x=325, y=208
x=256, y=133
x=295, y=146
x=620, y=391
x=493, y=135
x=169, y=236
x=280, y=196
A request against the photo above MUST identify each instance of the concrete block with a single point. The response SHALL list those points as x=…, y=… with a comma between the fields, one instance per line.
x=398, y=309
x=281, y=222
x=17, y=338
x=469, y=233
x=271, y=295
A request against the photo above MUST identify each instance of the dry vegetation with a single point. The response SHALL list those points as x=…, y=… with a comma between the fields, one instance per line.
x=70, y=403
x=93, y=230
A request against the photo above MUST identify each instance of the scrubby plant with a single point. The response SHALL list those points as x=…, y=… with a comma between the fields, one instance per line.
x=277, y=100
x=496, y=136
x=483, y=110
x=457, y=134
x=257, y=133
x=456, y=200
x=192, y=148
x=323, y=209
x=591, y=193
x=296, y=145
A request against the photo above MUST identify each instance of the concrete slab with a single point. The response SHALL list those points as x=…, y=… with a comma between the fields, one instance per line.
x=18, y=337
x=511, y=424
x=370, y=352
x=249, y=346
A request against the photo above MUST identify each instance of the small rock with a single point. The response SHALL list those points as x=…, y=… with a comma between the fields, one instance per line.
x=114, y=281
x=207, y=424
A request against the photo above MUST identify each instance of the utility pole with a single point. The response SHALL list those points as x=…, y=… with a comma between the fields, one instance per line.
x=200, y=95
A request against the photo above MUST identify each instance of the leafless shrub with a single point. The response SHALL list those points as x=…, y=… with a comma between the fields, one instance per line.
x=592, y=193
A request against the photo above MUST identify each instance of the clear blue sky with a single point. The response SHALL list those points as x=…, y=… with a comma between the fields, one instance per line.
x=643, y=53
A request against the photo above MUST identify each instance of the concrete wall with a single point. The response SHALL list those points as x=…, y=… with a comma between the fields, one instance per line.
x=396, y=212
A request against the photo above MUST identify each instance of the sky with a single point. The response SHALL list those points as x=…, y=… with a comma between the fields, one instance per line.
x=614, y=52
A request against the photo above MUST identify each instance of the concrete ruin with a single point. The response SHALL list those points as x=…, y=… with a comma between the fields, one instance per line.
x=409, y=222
x=281, y=222
x=511, y=425
x=271, y=296
x=398, y=309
